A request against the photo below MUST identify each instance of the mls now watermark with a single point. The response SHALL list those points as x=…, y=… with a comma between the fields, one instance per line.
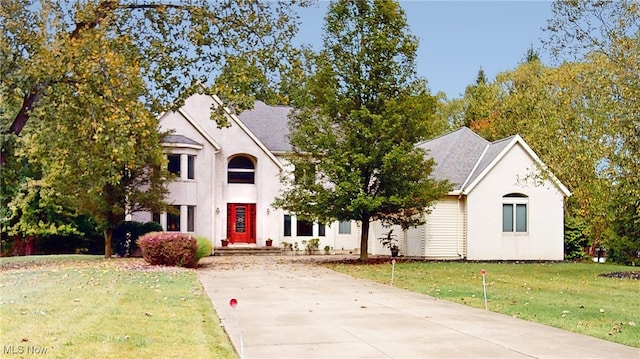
x=24, y=349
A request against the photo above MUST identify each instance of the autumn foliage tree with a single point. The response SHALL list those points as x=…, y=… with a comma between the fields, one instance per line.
x=581, y=115
x=83, y=82
x=357, y=122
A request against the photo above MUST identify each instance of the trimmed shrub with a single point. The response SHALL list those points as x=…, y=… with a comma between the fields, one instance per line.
x=151, y=227
x=204, y=248
x=125, y=237
x=168, y=248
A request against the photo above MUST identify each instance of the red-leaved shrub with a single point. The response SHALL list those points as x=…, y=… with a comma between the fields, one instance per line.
x=168, y=248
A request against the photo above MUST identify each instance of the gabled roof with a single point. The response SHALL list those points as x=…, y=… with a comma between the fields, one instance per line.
x=490, y=153
x=464, y=158
x=198, y=128
x=269, y=125
x=215, y=101
x=250, y=133
x=456, y=155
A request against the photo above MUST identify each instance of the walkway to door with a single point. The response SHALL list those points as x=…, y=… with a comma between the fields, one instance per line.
x=289, y=309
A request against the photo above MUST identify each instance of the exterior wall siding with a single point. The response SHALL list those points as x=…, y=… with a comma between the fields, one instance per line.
x=444, y=230
x=515, y=173
x=415, y=241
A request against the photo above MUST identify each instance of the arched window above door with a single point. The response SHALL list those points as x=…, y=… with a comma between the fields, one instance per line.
x=241, y=169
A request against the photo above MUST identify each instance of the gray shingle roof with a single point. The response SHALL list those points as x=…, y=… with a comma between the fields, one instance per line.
x=180, y=139
x=455, y=154
x=269, y=125
x=460, y=156
x=493, y=150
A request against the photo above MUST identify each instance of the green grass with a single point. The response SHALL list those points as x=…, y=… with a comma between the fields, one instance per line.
x=571, y=296
x=86, y=306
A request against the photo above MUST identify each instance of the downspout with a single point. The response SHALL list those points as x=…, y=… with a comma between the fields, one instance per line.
x=458, y=235
x=214, y=198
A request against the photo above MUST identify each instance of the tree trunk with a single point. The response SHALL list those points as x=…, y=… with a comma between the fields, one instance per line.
x=107, y=242
x=364, y=240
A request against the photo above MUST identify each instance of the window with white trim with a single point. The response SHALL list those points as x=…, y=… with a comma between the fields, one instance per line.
x=191, y=167
x=321, y=230
x=344, y=227
x=241, y=169
x=183, y=171
x=304, y=228
x=174, y=164
x=173, y=219
x=191, y=218
x=287, y=225
x=515, y=213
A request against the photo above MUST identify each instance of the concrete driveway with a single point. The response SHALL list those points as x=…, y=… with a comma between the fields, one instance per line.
x=288, y=308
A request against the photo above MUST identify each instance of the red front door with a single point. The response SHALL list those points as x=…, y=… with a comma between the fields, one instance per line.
x=241, y=223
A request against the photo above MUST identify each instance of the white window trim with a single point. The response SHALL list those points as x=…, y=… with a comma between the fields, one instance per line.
x=515, y=201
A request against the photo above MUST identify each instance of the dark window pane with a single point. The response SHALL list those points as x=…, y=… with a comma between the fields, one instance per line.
x=321, y=230
x=191, y=218
x=287, y=225
x=191, y=167
x=173, y=219
x=241, y=177
x=241, y=170
x=521, y=217
x=241, y=162
x=507, y=218
x=174, y=164
x=304, y=228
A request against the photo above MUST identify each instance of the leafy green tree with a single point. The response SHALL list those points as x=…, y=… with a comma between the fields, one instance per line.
x=108, y=160
x=480, y=102
x=606, y=34
x=575, y=238
x=550, y=109
x=580, y=116
x=356, y=127
x=449, y=113
x=532, y=55
x=83, y=82
x=174, y=46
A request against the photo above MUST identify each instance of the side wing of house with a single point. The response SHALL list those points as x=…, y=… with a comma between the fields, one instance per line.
x=513, y=212
x=500, y=206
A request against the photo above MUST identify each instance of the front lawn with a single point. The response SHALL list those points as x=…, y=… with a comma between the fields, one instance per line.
x=86, y=306
x=571, y=296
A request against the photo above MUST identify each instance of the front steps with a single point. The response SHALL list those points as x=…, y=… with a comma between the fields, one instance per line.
x=232, y=250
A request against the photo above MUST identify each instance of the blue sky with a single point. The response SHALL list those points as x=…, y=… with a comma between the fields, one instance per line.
x=459, y=37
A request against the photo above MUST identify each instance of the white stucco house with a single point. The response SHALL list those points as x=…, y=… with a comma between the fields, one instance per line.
x=229, y=177
x=502, y=206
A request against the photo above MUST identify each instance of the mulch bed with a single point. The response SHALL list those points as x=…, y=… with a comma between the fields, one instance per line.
x=623, y=275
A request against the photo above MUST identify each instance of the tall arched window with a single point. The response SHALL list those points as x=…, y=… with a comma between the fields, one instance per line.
x=241, y=170
x=514, y=212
